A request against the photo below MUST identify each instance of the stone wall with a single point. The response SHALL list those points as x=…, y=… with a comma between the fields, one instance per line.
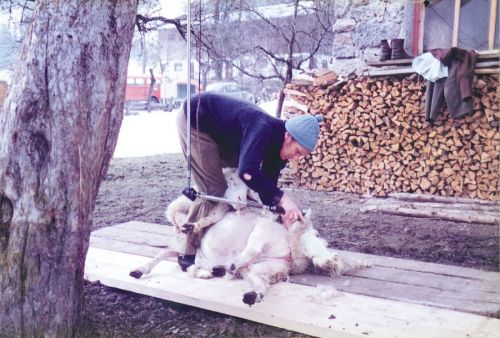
x=359, y=27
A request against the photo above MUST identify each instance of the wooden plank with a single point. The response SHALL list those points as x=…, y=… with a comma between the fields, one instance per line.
x=384, y=268
x=486, y=64
x=489, y=54
x=292, y=306
x=456, y=23
x=486, y=71
x=385, y=72
x=439, y=285
x=152, y=228
x=132, y=236
x=463, y=295
x=449, y=215
x=409, y=70
x=481, y=303
x=407, y=62
x=494, y=210
x=492, y=25
x=404, y=264
x=410, y=266
x=402, y=62
x=125, y=247
x=440, y=199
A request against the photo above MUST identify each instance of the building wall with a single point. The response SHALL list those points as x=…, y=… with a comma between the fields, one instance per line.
x=359, y=27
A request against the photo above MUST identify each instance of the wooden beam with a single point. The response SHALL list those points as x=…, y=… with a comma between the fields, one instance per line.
x=421, y=29
x=456, y=23
x=493, y=19
x=449, y=215
x=407, y=62
x=489, y=54
x=403, y=196
x=484, y=71
x=418, y=23
x=409, y=70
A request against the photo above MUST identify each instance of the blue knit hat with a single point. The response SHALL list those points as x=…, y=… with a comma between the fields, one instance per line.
x=304, y=129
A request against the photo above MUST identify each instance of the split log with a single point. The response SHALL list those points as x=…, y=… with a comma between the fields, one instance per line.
x=449, y=215
x=440, y=199
x=493, y=209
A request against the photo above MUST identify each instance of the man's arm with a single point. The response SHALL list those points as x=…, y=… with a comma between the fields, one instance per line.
x=262, y=180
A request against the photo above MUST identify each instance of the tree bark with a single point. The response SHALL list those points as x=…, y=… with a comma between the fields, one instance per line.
x=57, y=135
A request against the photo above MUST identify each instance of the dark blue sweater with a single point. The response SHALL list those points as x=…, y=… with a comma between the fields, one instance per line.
x=247, y=137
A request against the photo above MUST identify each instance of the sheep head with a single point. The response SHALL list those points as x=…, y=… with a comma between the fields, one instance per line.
x=236, y=189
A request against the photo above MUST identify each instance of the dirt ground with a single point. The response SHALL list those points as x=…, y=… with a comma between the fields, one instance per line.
x=141, y=188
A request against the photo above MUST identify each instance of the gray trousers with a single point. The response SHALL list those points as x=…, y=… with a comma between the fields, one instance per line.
x=206, y=171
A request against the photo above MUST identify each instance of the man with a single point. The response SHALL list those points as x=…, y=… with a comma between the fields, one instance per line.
x=228, y=132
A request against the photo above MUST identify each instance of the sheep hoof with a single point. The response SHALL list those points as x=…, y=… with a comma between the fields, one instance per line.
x=252, y=297
x=136, y=274
x=249, y=298
x=218, y=271
x=188, y=228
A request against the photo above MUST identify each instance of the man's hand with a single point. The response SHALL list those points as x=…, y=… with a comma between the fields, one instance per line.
x=292, y=212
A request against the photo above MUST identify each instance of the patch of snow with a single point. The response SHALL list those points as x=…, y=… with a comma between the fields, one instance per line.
x=147, y=134
x=5, y=75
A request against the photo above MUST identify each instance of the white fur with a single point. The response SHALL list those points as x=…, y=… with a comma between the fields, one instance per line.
x=251, y=245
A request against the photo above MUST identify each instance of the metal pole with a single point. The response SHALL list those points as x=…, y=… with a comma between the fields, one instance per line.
x=188, y=98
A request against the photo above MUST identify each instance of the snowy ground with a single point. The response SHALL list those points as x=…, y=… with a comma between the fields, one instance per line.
x=154, y=133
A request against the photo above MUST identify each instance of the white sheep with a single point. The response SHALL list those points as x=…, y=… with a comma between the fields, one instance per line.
x=249, y=244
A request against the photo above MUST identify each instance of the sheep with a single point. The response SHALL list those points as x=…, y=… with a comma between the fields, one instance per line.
x=249, y=244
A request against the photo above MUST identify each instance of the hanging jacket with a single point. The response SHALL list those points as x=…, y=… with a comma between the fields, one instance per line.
x=456, y=89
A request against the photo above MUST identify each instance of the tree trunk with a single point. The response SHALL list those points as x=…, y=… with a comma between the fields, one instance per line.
x=151, y=88
x=57, y=135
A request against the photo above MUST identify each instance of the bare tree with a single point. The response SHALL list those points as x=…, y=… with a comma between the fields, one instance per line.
x=57, y=135
x=248, y=37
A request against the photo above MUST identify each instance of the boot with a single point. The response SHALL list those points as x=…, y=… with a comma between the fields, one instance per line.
x=385, y=50
x=398, y=51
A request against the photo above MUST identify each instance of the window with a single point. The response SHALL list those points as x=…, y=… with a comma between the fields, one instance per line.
x=468, y=24
x=130, y=80
x=178, y=67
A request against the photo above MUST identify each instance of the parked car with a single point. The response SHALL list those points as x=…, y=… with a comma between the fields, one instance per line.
x=231, y=89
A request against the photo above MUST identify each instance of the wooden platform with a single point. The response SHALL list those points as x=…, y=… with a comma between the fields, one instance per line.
x=394, y=298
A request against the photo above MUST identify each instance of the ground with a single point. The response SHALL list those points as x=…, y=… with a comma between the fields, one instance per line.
x=141, y=188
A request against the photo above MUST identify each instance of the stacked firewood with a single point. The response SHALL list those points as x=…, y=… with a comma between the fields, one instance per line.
x=375, y=139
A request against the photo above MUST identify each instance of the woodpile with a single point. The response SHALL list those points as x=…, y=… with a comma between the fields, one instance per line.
x=375, y=139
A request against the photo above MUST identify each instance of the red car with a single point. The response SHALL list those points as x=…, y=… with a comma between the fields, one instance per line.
x=138, y=89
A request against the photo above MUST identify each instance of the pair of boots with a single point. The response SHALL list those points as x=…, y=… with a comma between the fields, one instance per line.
x=393, y=52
